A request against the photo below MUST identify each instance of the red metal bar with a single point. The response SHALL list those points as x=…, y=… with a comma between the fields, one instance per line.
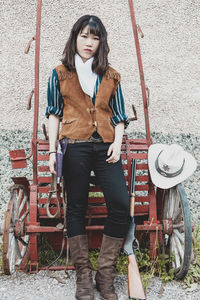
x=139, y=58
x=36, y=94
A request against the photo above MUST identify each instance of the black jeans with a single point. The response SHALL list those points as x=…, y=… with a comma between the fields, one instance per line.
x=79, y=160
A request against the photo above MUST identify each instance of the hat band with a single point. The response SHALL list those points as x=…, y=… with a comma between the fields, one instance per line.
x=169, y=175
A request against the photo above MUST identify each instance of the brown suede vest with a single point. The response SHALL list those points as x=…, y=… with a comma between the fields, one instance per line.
x=80, y=117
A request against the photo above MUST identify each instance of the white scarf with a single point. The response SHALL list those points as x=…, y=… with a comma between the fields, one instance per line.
x=86, y=76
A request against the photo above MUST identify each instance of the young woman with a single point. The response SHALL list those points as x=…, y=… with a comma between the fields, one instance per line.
x=85, y=93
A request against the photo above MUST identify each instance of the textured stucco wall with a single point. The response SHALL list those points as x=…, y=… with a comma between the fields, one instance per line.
x=170, y=51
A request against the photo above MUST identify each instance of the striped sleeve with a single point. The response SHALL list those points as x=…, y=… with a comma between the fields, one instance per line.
x=54, y=97
x=118, y=108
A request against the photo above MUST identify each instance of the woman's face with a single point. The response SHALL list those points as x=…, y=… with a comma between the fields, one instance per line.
x=87, y=44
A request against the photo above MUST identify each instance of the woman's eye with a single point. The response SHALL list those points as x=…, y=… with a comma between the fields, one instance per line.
x=96, y=38
x=84, y=35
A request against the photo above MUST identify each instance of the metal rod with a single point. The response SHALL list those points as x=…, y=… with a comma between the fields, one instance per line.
x=139, y=59
x=36, y=94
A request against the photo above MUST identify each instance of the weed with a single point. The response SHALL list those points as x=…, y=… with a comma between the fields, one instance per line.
x=47, y=254
x=193, y=275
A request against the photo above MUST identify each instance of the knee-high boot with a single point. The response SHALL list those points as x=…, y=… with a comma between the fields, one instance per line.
x=78, y=246
x=107, y=260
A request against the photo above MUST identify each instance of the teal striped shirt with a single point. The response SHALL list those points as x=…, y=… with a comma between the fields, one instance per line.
x=55, y=100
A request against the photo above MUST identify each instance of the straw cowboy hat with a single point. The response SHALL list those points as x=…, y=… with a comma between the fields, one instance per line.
x=169, y=165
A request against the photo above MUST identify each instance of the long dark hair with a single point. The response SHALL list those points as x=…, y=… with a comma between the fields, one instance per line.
x=96, y=27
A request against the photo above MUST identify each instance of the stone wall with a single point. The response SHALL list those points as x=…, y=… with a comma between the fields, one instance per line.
x=170, y=52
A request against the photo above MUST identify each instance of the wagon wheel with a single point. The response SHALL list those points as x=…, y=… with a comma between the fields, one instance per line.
x=15, y=240
x=177, y=229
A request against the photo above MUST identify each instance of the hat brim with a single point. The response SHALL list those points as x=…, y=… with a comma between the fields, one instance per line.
x=162, y=181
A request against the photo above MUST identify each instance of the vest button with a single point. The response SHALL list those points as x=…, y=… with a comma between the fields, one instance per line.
x=95, y=123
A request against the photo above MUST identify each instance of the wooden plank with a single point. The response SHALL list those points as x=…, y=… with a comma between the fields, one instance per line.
x=141, y=209
x=44, y=189
x=44, y=200
x=44, y=179
x=43, y=169
x=42, y=142
x=136, y=141
x=96, y=217
x=92, y=200
x=125, y=166
x=96, y=200
x=142, y=166
x=137, y=147
x=95, y=189
x=144, y=178
x=96, y=210
x=43, y=157
x=141, y=199
x=142, y=187
x=138, y=155
x=43, y=147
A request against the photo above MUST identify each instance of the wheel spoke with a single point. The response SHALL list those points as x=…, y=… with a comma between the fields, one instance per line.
x=165, y=203
x=178, y=234
x=176, y=255
x=24, y=216
x=17, y=203
x=11, y=253
x=18, y=252
x=24, y=248
x=24, y=201
x=171, y=202
x=24, y=243
x=176, y=215
x=172, y=250
x=179, y=244
x=179, y=247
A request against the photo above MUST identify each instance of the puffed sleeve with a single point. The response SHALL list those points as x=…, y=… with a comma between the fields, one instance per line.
x=54, y=97
x=118, y=108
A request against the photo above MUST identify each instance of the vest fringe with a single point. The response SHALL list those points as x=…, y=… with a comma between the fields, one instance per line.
x=62, y=75
x=113, y=75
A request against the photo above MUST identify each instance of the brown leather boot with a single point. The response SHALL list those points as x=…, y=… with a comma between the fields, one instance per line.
x=107, y=260
x=78, y=246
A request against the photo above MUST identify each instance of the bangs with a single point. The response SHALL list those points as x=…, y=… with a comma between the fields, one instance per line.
x=94, y=28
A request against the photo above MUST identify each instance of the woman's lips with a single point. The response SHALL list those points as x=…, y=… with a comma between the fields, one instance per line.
x=88, y=50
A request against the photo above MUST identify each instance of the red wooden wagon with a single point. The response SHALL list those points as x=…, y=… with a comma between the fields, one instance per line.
x=163, y=215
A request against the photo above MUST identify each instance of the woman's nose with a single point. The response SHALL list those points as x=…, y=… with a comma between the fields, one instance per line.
x=89, y=42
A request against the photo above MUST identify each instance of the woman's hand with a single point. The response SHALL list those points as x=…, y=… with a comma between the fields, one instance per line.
x=52, y=163
x=114, y=150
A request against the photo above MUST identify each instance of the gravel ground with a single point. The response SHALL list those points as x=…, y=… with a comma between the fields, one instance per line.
x=40, y=286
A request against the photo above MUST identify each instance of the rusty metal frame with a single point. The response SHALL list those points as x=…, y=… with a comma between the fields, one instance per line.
x=145, y=90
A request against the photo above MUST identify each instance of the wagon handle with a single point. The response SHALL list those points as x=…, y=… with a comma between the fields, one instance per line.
x=134, y=113
x=45, y=132
x=26, y=51
x=28, y=106
x=139, y=30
